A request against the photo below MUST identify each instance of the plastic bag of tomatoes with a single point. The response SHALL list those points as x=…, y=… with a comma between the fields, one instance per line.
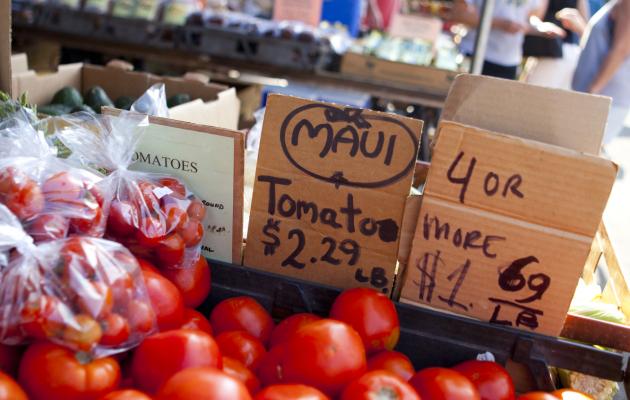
x=51, y=198
x=87, y=294
x=154, y=215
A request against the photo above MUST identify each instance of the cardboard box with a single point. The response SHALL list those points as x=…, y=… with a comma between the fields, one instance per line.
x=5, y=45
x=507, y=221
x=431, y=80
x=218, y=105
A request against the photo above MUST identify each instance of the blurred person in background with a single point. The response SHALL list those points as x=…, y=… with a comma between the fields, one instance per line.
x=604, y=64
x=553, y=59
x=511, y=20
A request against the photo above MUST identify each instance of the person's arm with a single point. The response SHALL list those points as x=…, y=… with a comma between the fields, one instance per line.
x=467, y=14
x=620, y=49
x=573, y=19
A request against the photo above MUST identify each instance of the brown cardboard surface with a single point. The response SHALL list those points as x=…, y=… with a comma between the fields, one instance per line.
x=562, y=118
x=19, y=63
x=360, y=200
x=41, y=88
x=434, y=80
x=5, y=46
x=512, y=259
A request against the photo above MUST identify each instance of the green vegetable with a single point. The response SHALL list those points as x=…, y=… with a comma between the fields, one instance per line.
x=124, y=102
x=83, y=107
x=599, y=389
x=97, y=98
x=68, y=96
x=9, y=106
x=54, y=110
x=177, y=99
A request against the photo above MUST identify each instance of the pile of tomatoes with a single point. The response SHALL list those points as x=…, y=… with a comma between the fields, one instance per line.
x=238, y=353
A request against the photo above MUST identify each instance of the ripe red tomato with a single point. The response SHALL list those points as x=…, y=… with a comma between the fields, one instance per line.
x=290, y=392
x=126, y=394
x=43, y=317
x=379, y=384
x=170, y=251
x=537, y=396
x=491, y=380
x=237, y=370
x=84, y=334
x=203, y=384
x=443, y=384
x=166, y=300
x=95, y=299
x=10, y=358
x=325, y=354
x=9, y=389
x=372, y=314
x=270, y=370
x=20, y=194
x=147, y=265
x=196, y=210
x=242, y=314
x=123, y=218
x=392, y=361
x=193, y=319
x=285, y=329
x=141, y=317
x=570, y=394
x=47, y=227
x=193, y=281
x=175, y=185
x=160, y=356
x=51, y=372
x=115, y=329
x=242, y=347
x=191, y=232
x=176, y=217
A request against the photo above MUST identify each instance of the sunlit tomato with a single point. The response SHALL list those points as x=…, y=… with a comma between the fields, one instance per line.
x=325, y=354
x=242, y=314
x=196, y=210
x=151, y=230
x=270, y=370
x=115, y=329
x=191, y=232
x=127, y=394
x=95, y=299
x=237, y=370
x=160, y=356
x=176, y=217
x=92, y=224
x=123, y=218
x=170, y=251
x=379, y=385
x=83, y=334
x=166, y=300
x=443, y=384
x=51, y=372
x=147, y=265
x=175, y=185
x=392, y=361
x=285, y=329
x=242, y=347
x=9, y=389
x=537, y=396
x=193, y=281
x=203, y=384
x=47, y=227
x=63, y=190
x=570, y=394
x=10, y=358
x=193, y=319
x=141, y=316
x=25, y=201
x=372, y=314
x=491, y=380
x=43, y=317
x=290, y=392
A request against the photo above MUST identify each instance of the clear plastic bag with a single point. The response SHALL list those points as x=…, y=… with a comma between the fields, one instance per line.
x=152, y=102
x=153, y=215
x=51, y=198
x=87, y=294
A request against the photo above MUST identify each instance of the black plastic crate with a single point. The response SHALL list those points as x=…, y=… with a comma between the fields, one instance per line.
x=62, y=19
x=428, y=337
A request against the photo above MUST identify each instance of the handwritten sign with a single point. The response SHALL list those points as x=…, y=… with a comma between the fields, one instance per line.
x=505, y=227
x=210, y=161
x=329, y=194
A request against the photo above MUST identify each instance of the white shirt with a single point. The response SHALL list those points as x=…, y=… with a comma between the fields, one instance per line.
x=504, y=48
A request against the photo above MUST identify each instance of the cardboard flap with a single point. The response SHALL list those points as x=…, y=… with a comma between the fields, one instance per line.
x=5, y=46
x=115, y=81
x=569, y=119
x=19, y=63
x=196, y=89
x=41, y=88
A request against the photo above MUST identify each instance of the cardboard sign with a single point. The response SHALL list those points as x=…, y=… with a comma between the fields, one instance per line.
x=329, y=193
x=307, y=11
x=415, y=27
x=506, y=225
x=210, y=161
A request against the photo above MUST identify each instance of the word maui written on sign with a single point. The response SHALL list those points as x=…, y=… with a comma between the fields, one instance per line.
x=330, y=190
x=505, y=228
